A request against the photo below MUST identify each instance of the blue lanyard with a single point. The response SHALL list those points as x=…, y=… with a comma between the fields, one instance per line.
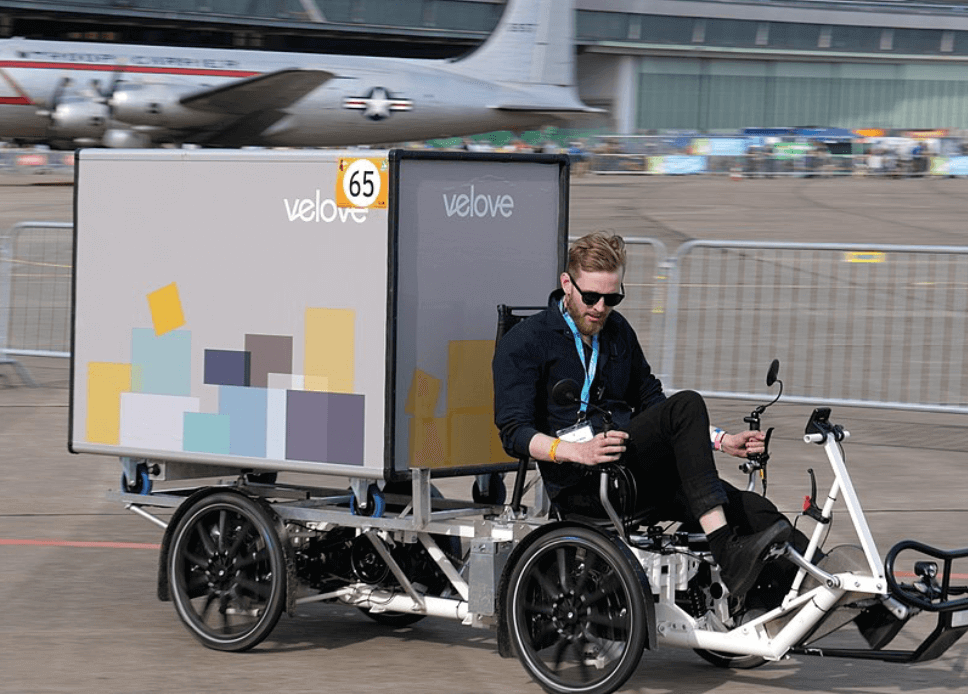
x=592, y=362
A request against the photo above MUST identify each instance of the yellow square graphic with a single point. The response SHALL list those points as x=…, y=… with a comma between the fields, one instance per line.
x=472, y=439
x=423, y=394
x=105, y=383
x=166, y=309
x=469, y=380
x=330, y=360
x=428, y=436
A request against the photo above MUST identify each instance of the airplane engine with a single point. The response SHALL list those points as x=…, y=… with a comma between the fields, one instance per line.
x=79, y=118
x=156, y=105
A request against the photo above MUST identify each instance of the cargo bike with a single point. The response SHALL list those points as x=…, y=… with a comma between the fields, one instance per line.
x=577, y=600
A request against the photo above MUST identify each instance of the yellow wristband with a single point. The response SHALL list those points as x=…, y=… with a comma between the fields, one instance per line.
x=554, y=450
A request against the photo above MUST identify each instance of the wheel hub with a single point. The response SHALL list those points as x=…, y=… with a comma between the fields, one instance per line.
x=567, y=612
x=220, y=571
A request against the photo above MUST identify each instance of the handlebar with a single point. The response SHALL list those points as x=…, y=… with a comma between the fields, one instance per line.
x=822, y=438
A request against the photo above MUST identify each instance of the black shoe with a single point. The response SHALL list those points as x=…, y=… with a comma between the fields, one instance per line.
x=741, y=557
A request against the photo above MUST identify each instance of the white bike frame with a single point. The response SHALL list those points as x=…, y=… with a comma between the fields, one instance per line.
x=801, y=612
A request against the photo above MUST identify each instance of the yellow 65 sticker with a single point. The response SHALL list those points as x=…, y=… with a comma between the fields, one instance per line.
x=363, y=183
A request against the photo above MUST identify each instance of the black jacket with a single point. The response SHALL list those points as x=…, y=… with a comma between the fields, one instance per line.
x=539, y=352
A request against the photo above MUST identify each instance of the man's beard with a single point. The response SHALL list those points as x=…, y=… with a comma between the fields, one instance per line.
x=585, y=327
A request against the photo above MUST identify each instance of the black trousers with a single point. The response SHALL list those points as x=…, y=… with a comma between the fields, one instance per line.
x=669, y=456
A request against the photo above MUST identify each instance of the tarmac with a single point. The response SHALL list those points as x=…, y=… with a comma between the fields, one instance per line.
x=78, y=572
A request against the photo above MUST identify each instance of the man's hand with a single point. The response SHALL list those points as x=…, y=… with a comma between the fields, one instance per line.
x=604, y=448
x=744, y=443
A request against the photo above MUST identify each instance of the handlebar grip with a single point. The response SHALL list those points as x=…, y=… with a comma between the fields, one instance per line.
x=821, y=438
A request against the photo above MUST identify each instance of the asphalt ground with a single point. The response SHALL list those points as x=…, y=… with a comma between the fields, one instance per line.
x=78, y=572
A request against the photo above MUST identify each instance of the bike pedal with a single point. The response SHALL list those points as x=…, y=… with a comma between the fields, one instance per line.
x=775, y=552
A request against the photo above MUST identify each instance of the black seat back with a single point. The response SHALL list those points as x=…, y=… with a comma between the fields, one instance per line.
x=507, y=318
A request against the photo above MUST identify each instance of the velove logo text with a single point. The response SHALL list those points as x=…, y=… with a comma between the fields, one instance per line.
x=473, y=204
x=319, y=210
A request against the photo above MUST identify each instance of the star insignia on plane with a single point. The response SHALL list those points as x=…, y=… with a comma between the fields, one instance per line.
x=377, y=104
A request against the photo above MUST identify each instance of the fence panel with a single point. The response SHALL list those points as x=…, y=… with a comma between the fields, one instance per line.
x=880, y=326
x=645, y=293
x=36, y=267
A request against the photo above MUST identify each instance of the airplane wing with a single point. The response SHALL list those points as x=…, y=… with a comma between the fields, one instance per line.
x=271, y=91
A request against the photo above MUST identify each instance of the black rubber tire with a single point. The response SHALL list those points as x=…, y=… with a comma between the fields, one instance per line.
x=731, y=661
x=227, y=571
x=393, y=619
x=576, y=612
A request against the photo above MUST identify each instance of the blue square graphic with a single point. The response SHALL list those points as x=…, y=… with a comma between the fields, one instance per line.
x=206, y=433
x=246, y=408
x=161, y=364
x=225, y=367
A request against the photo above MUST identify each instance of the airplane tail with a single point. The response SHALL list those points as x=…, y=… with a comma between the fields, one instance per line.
x=533, y=43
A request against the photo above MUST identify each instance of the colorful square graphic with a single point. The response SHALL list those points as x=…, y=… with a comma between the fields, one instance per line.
x=275, y=424
x=423, y=394
x=270, y=354
x=246, y=408
x=324, y=427
x=428, y=439
x=206, y=433
x=226, y=367
x=330, y=349
x=166, y=309
x=105, y=383
x=474, y=440
x=162, y=364
x=469, y=379
x=155, y=422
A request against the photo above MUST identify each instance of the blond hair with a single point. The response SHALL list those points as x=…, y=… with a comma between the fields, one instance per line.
x=598, y=251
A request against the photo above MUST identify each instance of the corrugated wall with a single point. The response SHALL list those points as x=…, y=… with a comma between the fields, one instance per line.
x=707, y=94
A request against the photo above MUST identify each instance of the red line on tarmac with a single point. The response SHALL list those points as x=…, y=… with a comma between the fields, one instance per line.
x=76, y=543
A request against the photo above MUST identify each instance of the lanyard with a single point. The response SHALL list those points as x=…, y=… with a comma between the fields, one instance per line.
x=592, y=362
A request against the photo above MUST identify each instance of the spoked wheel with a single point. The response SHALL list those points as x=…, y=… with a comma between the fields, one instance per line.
x=576, y=612
x=227, y=572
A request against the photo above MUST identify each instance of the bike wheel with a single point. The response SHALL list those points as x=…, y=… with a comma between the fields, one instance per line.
x=227, y=572
x=576, y=612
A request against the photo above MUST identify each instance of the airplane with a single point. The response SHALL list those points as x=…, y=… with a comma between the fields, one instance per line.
x=72, y=94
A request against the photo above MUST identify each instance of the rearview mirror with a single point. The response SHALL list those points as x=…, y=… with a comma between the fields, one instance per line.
x=772, y=373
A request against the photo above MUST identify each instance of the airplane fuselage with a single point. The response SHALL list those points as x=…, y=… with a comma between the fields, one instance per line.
x=73, y=92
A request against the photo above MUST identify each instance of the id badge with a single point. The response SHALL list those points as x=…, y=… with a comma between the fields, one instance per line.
x=577, y=433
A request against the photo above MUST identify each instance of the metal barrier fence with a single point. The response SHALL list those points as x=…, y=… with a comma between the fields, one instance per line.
x=36, y=263
x=36, y=161
x=880, y=326
x=763, y=165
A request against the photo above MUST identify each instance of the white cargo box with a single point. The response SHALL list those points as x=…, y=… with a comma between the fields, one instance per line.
x=232, y=307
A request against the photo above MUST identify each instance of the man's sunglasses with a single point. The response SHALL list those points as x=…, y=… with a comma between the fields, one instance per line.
x=592, y=298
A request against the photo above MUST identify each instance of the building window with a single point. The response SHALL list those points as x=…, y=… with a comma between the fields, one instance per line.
x=602, y=26
x=795, y=36
x=920, y=41
x=850, y=39
x=730, y=32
